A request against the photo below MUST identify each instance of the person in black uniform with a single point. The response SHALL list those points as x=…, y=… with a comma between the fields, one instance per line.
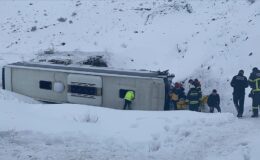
x=197, y=84
x=193, y=98
x=239, y=83
x=214, y=101
x=254, y=82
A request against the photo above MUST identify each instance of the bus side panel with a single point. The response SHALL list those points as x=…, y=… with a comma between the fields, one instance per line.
x=149, y=93
x=157, y=95
x=87, y=89
x=28, y=82
x=111, y=90
x=3, y=78
x=7, y=78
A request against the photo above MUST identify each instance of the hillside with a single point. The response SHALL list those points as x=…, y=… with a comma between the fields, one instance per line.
x=209, y=40
x=206, y=39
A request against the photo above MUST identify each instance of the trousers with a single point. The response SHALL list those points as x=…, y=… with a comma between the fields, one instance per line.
x=239, y=103
x=127, y=104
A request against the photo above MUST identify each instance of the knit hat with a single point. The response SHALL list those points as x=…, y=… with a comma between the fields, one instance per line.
x=241, y=72
x=255, y=69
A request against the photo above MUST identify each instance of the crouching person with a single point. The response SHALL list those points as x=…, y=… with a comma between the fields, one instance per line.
x=129, y=97
x=214, y=101
x=193, y=99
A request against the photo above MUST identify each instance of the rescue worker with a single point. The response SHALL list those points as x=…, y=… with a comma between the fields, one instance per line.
x=254, y=82
x=167, y=91
x=193, y=99
x=203, y=103
x=177, y=94
x=214, y=101
x=239, y=83
x=191, y=83
x=129, y=97
x=197, y=84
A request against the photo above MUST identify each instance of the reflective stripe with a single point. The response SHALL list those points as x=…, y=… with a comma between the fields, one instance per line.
x=255, y=107
x=194, y=102
x=250, y=80
x=257, y=89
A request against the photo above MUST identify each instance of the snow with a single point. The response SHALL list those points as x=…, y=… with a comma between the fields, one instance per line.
x=66, y=131
x=208, y=40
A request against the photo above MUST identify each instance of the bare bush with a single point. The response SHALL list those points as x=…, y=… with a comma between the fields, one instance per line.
x=251, y=1
x=87, y=118
x=62, y=19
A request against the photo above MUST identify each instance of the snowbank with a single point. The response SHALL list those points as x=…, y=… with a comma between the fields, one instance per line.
x=68, y=131
x=209, y=40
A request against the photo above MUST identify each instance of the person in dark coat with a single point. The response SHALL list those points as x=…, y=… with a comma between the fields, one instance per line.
x=214, y=101
x=239, y=83
x=197, y=84
x=177, y=93
x=254, y=82
x=191, y=83
x=193, y=98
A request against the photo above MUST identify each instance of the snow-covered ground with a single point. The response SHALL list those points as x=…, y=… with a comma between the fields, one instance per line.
x=206, y=39
x=29, y=131
x=209, y=40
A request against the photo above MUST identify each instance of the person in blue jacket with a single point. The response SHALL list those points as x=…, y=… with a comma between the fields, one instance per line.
x=214, y=101
x=239, y=84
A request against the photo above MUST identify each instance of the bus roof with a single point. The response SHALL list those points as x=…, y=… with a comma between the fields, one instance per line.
x=100, y=70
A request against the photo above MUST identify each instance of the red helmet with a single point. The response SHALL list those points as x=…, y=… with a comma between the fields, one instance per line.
x=177, y=85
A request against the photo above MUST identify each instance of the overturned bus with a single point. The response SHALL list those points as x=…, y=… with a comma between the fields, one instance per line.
x=96, y=86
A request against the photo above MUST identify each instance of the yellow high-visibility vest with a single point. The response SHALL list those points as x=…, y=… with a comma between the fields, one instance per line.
x=129, y=95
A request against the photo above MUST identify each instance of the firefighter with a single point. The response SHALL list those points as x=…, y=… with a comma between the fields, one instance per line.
x=214, y=101
x=129, y=97
x=239, y=83
x=193, y=99
x=177, y=94
x=254, y=82
x=191, y=83
x=197, y=84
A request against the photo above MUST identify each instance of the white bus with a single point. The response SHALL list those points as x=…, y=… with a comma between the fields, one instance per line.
x=98, y=86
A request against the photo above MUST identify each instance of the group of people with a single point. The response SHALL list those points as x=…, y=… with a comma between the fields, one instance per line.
x=194, y=99
x=240, y=83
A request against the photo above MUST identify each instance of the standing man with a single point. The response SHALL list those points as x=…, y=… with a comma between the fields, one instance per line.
x=193, y=98
x=214, y=101
x=197, y=84
x=129, y=97
x=254, y=82
x=239, y=83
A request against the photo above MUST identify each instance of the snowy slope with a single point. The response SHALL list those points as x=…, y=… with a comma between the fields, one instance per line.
x=209, y=40
x=81, y=132
x=206, y=39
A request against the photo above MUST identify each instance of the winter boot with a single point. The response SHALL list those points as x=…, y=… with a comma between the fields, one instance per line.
x=239, y=116
x=255, y=113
